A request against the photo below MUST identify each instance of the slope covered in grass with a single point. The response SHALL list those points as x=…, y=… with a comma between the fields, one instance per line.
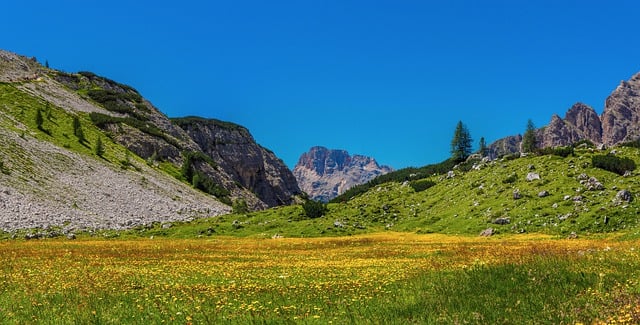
x=561, y=196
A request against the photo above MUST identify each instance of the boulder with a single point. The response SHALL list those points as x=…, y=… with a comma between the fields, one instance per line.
x=487, y=232
x=517, y=195
x=532, y=176
x=502, y=221
x=543, y=194
x=624, y=195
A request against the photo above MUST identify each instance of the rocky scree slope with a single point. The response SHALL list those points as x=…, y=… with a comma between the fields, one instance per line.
x=619, y=122
x=324, y=174
x=50, y=177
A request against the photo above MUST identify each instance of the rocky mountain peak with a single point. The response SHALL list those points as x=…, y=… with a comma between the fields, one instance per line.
x=324, y=173
x=621, y=116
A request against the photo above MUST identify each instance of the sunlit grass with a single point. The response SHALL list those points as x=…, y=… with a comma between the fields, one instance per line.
x=380, y=278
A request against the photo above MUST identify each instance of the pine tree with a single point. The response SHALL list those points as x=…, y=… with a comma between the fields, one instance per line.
x=461, y=143
x=77, y=129
x=99, y=148
x=39, y=120
x=529, y=142
x=483, y=147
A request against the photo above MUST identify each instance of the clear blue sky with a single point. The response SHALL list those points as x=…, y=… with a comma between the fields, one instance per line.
x=388, y=79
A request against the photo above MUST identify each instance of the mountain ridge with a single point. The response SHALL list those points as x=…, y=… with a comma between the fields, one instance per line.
x=326, y=173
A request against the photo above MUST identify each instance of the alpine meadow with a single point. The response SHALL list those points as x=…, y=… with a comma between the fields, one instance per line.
x=113, y=213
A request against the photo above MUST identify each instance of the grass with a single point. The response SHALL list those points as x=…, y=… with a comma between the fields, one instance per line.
x=391, y=278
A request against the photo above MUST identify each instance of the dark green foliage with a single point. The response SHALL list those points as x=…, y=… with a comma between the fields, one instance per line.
x=3, y=169
x=77, y=129
x=186, y=121
x=482, y=147
x=101, y=120
x=202, y=182
x=584, y=143
x=314, y=209
x=422, y=185
x=613, y=164
x=529, y=142
x=116, y=102
x=240, y=206
x=187, y=169
x=405, y=174
x=39, y=120
x=99, y=147
x=461, y=143
x=631, y=144
x=557, y=151
x=511, y=179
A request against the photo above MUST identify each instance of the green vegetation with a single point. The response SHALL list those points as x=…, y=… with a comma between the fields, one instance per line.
x=482, y=147
x=618, y=165
x=314, y=209
x=99, y=147
x=199, y=179
x=529, y=141
x=461, y=143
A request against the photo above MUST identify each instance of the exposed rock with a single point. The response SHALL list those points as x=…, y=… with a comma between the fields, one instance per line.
x=544, y=193
x=517, y=195
x=585, y=121
x=235, y=152
x=502, y=221
x=572, y=235
x=592, y=184
x=451, y=174
x=621, y=115
x=624, y=195
x=324, y=174
x=533, y=177
x=487, y=232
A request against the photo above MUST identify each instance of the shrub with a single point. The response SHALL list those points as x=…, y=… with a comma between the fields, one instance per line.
x=558, y=151
x=511, y=179
x=613, y=164
x=631, y=144
x=421, y=185
x=99, y=148
x=314, y=209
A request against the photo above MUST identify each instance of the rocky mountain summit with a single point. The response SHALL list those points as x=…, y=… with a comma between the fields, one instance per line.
x=324, y=174
x=619, y=122
x=148, y=168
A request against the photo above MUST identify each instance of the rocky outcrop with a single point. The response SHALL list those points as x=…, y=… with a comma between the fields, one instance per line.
x=621, y=116
x=620, y=122
x=585, y=121
x=235, y=151
x=324, y=174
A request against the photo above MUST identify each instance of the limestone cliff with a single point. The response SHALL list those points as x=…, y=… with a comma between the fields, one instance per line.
x=324, y=174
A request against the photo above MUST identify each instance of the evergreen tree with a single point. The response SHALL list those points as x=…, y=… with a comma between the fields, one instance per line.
x=46, y=64
x=77, y=129
x=483, y=147
x=39, y=120
x=529, y=142
x=461, y=143
x=99, y=148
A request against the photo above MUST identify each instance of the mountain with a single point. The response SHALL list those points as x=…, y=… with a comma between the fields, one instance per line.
x=153, y=169
x=324, y=174
x=619, y=122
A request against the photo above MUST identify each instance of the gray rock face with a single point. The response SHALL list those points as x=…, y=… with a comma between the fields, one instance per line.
x=621, y=116
x=324, y=174
x=235, y=151
x=620, y=122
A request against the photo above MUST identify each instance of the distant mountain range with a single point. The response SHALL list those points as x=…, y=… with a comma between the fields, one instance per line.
x=619, y=122
x=324, y=174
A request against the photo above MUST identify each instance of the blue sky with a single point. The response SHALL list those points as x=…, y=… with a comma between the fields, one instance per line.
x=388, y=79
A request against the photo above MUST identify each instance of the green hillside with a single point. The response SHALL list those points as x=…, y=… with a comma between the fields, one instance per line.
x=467, y=203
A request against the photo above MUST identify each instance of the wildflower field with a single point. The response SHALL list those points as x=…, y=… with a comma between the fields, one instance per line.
x=378, y=278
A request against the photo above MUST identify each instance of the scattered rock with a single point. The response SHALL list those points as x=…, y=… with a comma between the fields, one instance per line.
x=338, y=224
x=532, y=176
x=517, y=195
x=592, y=184
x=567, y=197
x=531, y=167
x=502, y=221
x=583, y=177
x=167, y=225
x=624, y=195
x=276, y=236
x=572, y=235
x=487, y=232
x=577, y=198
x=543, y=193
x=451, y=174
x=555, y=205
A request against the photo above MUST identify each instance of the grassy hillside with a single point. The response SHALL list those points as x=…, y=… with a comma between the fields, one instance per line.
x=466, y=203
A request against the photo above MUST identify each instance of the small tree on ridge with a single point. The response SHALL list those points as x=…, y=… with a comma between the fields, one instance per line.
x=461, y=143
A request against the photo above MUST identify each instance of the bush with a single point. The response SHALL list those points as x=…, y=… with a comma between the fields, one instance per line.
x=511, y=179
x=613, y=164
x=314, y=209
x=558, y=151
x=421, y=185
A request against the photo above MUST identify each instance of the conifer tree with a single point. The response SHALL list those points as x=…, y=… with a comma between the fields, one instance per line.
x=99, y=148
x=461, y=143
x=529, y=142
x=39, y=120
x=77, y=129
x=483, y=147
